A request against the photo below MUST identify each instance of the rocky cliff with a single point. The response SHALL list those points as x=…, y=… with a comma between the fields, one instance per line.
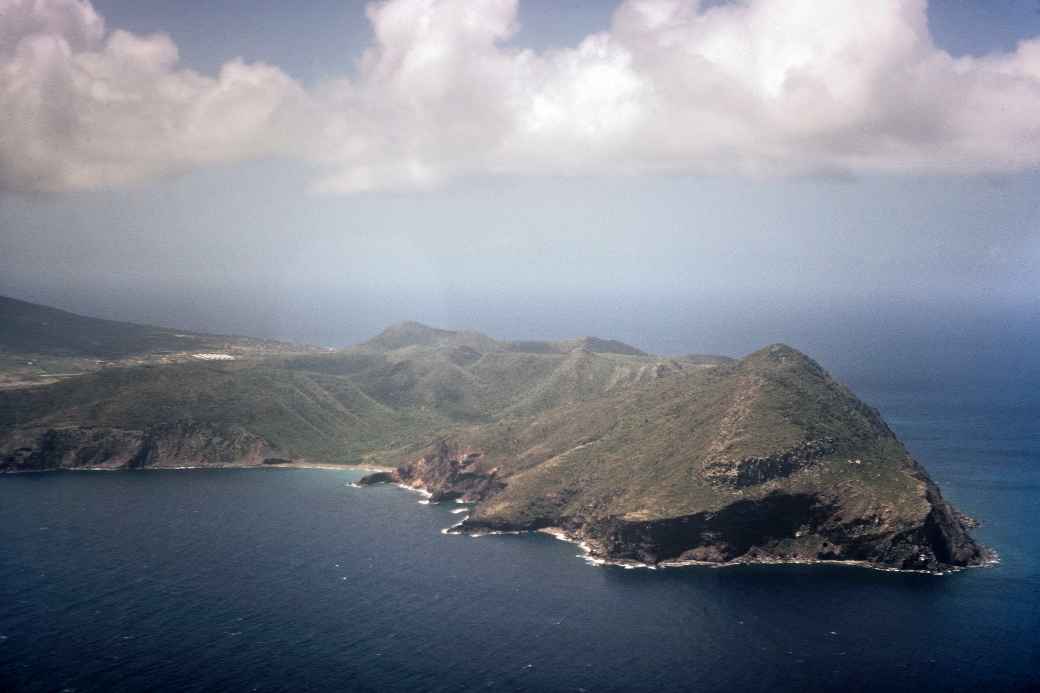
x=780, y=526
x=178, y=444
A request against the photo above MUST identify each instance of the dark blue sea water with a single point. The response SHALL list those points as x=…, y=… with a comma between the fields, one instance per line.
x=291, y=580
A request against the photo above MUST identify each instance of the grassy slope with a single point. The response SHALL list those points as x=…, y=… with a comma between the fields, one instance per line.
x=397, y=390
x=312, y=415
x=40, y=345
x=588, y=433
x=32, y=328
x=640, y=452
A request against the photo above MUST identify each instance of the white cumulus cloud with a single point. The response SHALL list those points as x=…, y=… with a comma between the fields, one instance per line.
x=758, y=87
x=82, y=108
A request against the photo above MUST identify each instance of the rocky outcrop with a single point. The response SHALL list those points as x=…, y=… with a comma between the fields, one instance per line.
x=380, y=478
x=759, y=469
x=946, y=532
x=70, y=448
x=785, y=527
x=178, y=444
x=781, y=525
x=446, y=473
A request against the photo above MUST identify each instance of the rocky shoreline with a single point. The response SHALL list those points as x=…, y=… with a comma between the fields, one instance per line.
x=178, y=445
x=594, y=555
x=590, y=555
x=779, y=528
x=725, y=538
x=287, y=465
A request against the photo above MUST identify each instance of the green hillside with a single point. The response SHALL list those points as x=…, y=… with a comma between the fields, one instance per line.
x=40, y=345
x=33, y=328
x=400, y=388
x=763, y=459
x=674, y=446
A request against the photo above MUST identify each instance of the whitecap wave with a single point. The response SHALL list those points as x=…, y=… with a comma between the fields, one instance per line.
x=447, y=530
x=421, y=491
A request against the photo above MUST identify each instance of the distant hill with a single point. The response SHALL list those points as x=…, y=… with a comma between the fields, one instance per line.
x=400, y=387
x=415, y=334
x=40, y=345
x=409, y=334
x=32, y=328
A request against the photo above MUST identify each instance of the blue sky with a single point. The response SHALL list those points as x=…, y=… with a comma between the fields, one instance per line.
x=324, y=37
x=330, y=200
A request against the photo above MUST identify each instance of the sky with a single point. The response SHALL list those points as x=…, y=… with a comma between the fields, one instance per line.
x=687, y=176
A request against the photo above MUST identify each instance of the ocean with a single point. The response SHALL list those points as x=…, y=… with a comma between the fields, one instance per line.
x=292, y=580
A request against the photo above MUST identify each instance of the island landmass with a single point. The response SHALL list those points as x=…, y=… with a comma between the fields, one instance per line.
x=642, y=459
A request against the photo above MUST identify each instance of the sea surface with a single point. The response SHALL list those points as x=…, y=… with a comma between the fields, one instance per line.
x=292, y=580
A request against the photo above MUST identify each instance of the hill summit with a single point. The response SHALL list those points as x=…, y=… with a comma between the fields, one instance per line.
x=415, y=334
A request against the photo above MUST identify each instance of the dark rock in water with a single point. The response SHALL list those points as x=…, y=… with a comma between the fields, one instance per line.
x=451, y=474
x=379, y=478
x=967, y=520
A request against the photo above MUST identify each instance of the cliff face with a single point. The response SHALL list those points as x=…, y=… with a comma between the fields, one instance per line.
x=798, y=525
x=767, y=460
x=449, y=475
x=179, y=444
x=791, y=527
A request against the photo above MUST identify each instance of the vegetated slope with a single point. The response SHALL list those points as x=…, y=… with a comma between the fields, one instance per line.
x=32, y=328
x=467, y=376
x=343, y=407
x=40, y=345
x=767, y=458
x=299, y=414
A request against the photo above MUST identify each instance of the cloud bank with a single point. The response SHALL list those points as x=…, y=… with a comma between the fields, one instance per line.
x=759, y=87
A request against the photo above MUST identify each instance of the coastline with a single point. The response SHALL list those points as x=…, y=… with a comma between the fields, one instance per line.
x=589, y=555
x=302, y=465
